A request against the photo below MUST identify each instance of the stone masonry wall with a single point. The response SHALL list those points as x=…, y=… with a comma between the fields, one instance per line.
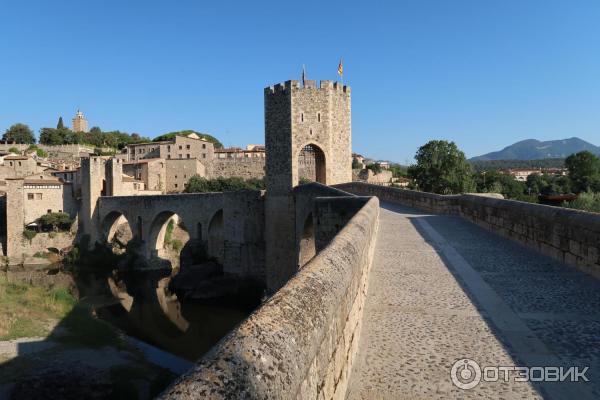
x=241, y=167
x=570, y=236
x=302, y=342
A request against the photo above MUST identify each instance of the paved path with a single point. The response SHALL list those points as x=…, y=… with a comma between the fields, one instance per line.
x=442, y=289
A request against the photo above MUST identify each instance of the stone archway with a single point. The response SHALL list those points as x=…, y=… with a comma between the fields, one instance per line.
x=116, y=229
x=167, y=236
x=312, y=164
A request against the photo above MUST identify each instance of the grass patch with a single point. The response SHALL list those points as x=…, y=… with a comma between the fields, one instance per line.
x=27, y=311
x=169, y=232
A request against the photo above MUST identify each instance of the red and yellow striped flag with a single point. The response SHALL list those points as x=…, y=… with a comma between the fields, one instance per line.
x=340, y=68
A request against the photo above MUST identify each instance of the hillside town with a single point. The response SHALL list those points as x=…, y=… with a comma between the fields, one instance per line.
x=47, y=178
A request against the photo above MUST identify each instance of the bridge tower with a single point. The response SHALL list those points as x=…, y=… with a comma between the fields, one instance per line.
x=93, y=185
x=307, y=135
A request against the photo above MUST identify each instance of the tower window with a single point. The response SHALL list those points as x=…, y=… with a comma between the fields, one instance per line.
x=302, y=117
x=319, y=117
x=311, y=132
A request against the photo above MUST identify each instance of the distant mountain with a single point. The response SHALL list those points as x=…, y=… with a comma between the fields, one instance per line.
x=532, y=149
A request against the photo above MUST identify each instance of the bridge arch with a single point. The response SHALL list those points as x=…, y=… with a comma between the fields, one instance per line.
x=111, y=223
x=215, y=236
x=159, y=229
x=312, y=163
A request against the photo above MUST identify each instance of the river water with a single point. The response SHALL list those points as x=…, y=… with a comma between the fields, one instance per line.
x=142, y=305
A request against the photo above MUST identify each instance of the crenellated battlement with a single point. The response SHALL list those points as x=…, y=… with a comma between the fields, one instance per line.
x=293, y=85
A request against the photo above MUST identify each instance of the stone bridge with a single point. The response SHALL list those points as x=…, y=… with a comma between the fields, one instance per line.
x=229, y=225
x=408, y=285
x=147, y=216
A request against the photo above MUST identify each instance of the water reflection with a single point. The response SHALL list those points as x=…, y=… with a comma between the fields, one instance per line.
x=145, y=307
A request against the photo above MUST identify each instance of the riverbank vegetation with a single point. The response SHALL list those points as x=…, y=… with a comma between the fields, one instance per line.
x=65, y=349
x=27, y=311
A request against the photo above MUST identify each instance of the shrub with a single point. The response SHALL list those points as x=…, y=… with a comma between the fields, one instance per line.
x=56, y=221
x=14, y=150
x=198, y=184
x=176, y=245
x=169, y=232
x=587, y=201
x=29, y=234
x=73, y=256
x=376, y=168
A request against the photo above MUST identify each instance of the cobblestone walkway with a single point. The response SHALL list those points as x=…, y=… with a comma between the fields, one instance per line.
x=442, y=289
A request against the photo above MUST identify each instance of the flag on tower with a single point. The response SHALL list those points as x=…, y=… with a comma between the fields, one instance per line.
x=340, y=68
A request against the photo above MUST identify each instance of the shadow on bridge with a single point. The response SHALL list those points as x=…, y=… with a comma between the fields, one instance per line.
x=543, y=312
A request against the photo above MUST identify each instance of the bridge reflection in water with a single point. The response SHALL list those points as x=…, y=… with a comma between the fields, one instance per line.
x=145, y=308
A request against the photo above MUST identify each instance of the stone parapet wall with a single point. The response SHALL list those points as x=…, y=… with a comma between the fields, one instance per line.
x=570, y=236
x=432, y=202
x=302, y=342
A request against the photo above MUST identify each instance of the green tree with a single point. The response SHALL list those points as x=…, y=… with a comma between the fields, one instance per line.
x=60, y=124
x=497, y=182
x=14, y=150
x=19, y=133
x=398, y=171
x=356, y=164
x=375, y=167
x=584, y=171
x=56, y=221
x=441, y=168
x=38, y=151
x=536, y=183
x=51, y=136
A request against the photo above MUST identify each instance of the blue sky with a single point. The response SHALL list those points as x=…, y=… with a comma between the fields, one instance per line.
x=482, y=73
